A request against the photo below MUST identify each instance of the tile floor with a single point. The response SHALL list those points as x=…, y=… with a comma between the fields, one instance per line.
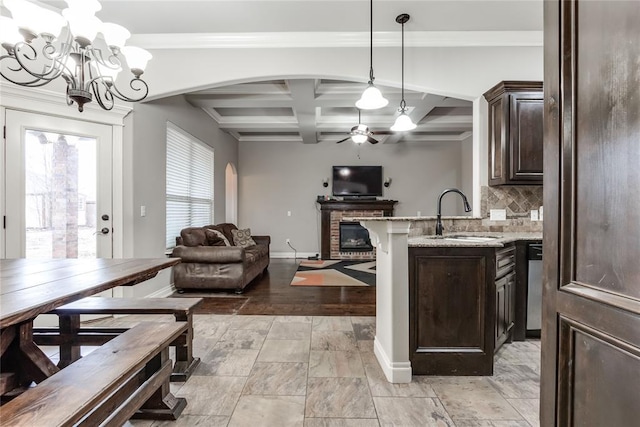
x=321, y=371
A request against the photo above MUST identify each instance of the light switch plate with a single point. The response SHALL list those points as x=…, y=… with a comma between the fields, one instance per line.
x=498, y=214
x=534, y=215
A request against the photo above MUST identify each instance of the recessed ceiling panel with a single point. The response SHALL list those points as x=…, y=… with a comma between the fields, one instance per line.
x=255, y=112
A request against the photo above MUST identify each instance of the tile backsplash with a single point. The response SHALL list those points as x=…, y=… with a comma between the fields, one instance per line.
x=518, y=201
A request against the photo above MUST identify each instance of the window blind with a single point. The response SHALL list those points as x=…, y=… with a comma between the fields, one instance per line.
x=189, y=183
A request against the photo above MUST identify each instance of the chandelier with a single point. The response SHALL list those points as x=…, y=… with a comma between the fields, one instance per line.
x=41, y=45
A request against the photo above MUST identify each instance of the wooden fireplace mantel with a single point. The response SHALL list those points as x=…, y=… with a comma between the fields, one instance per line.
x=327, y=206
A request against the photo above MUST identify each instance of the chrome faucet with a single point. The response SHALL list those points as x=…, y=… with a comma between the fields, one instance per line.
x=467, y=207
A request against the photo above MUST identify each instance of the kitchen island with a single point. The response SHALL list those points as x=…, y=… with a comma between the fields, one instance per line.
x=438, y=327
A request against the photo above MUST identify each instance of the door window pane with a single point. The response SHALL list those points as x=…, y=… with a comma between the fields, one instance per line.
x=60, y=195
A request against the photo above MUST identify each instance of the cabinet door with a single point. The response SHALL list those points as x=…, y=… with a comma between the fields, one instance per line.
x=525, y=136
x=497, y=137
x=509, y=291
x=501, y=313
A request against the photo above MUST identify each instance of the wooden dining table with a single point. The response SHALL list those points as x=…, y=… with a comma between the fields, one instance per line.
x=30, y=287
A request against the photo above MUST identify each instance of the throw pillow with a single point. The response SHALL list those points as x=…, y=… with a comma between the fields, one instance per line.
x=216, y=238
x=243, y=238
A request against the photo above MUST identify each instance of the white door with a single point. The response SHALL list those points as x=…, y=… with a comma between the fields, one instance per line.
x=58, y=187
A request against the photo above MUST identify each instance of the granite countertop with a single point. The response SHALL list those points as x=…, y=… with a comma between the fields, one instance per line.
x=410, y=218
x=444, y=241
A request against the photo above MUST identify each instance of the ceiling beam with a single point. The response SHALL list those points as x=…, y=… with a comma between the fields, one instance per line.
x=303, y=95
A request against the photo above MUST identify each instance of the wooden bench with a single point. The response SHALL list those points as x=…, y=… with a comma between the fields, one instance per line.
x=128, y=377
x=71, y=336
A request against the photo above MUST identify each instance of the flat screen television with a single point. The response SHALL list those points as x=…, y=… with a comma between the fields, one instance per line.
x=357, y=181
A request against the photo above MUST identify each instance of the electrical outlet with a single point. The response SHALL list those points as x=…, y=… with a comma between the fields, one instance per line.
x=143, y=210
x=498, y=214
x=288, y=213
x=534, y=215
x=287, y=241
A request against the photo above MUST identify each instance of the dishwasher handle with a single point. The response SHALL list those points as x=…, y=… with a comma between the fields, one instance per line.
x=534, y=252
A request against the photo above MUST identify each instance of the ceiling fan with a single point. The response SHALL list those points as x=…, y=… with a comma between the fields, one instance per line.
x=360, y=134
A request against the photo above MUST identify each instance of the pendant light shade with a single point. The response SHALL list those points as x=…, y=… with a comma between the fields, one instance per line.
x=372, y=98
x=403, y=121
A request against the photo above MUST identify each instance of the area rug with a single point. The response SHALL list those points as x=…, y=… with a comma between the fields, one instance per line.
x=335, y=273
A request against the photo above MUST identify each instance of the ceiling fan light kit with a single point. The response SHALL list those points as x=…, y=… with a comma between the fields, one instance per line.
x=42, y=45
x=403, y=121
x=372, y=98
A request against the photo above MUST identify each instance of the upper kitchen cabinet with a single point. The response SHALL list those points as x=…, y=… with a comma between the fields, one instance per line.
x=515, y=133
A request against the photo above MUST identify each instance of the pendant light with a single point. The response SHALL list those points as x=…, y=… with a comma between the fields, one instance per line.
x=372, y=98
x=403, y=122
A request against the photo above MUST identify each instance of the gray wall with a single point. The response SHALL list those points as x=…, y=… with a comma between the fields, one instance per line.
x=278, y=177
x=145, y=169
x=466, y=184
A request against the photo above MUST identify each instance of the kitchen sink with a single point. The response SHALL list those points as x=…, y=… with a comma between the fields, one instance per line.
x=472, y=239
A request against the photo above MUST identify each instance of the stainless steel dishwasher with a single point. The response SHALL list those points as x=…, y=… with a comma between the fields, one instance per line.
x=534, y=289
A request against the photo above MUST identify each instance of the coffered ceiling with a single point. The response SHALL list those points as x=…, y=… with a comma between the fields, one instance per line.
x=317, y=110
x=313, y=110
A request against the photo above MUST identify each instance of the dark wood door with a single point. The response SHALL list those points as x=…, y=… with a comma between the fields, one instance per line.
x=591, y=300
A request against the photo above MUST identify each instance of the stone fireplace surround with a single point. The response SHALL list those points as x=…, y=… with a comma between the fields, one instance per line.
x=335, y=211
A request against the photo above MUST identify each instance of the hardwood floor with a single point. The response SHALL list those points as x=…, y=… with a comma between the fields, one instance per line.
x=272, y=294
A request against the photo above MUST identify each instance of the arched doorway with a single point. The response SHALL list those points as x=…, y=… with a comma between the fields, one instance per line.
x=231, y=193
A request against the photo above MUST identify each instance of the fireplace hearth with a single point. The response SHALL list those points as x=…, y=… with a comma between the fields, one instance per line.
x=354, y=237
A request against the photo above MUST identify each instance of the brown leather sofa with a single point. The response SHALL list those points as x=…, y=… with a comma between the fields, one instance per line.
x=217, y=267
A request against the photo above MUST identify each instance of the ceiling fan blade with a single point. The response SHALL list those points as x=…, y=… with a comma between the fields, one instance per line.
x=343, y=140
x=371, y=140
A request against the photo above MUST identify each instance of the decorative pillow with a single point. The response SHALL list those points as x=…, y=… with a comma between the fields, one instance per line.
x=216, y=238
x=242, y=238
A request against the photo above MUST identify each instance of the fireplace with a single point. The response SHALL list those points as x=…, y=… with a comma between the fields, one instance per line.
x=333, y=212
x=354, y=237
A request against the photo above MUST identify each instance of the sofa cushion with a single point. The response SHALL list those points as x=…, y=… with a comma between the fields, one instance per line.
x=224, y=228
x=215, y=238
x=193, y=236
x=242, y=238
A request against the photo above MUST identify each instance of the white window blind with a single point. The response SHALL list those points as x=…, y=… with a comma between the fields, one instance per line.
x=189, y=183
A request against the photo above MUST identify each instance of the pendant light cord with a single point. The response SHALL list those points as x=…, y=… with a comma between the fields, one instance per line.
x=403, y=104
x=371, y=78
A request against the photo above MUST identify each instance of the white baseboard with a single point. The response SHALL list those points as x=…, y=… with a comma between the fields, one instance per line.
x=298, y=255
x=397, y=372
x=162, y=293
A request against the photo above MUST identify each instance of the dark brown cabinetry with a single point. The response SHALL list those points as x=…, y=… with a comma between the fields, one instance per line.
x=451, y=310
x=505, y=294
x=515, y=133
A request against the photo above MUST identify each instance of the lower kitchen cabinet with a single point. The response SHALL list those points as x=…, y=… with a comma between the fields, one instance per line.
x=452, y=306
x=505, y=294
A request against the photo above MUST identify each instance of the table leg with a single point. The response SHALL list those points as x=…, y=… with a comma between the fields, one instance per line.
x=69, y=326
x=33, y=361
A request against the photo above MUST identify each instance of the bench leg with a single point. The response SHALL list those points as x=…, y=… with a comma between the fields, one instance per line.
x=69, y=326
x=185, y=362
x=162, y=405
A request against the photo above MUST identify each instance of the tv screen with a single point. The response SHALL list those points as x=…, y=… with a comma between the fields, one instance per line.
x=357, y=181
